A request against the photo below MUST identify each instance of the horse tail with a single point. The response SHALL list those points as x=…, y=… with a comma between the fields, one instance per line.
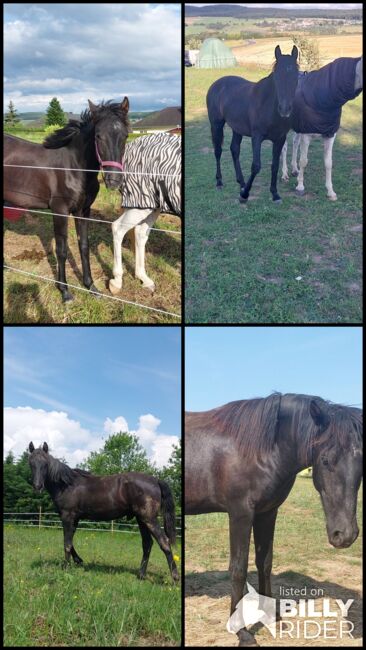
x=168, y=509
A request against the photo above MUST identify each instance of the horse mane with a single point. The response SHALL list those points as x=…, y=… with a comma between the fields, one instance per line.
x=63, y=136
x=254, y=424
x=59, y=472
x=251, y=423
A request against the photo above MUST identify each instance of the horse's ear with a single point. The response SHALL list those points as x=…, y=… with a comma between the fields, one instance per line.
x=45, y=447
x=31, y=447
x=125, y=105
x=319, y=415
x=294, y=52
x=277, y=52
x=93, y=108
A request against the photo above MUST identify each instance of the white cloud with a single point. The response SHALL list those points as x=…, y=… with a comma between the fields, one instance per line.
x=115, y=426
x=65, y=436
x=68, y=439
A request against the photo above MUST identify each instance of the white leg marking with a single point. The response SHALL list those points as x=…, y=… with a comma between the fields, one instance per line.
x=129, y=219
x=304, y=146
x=141, y=236
x=328, y=161
x=295, y=147
x=284, y=161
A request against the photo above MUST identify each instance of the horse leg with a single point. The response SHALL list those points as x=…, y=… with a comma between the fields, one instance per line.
x=295, y=147
x=217, y=132
x=82, y=226
x=304, y=146
x=285, y=176
x=328, y=160
x=235, y=152
x=69, y=526
x=60, y=229
x=142, y=231
x=263, y=529
x=240, y=529
x=120, y=227
x=276, y=152
x=147, y=543
x=163, y=542
x=256, y=166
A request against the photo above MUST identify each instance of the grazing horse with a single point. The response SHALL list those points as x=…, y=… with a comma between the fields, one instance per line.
x=319, y=99
x=151, y=185
x=242, y=458
x=77, y=494
x=260, y=110
x=96, y=141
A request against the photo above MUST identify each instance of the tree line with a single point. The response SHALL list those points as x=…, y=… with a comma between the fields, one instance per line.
x=122, y=452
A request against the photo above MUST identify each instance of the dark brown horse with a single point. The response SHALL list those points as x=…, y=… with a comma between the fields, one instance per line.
x=77, y=495
x=243, y=458
x=66, y=189
x=259, y=110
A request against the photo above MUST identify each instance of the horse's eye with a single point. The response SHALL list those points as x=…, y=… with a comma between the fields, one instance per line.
x=325, y=461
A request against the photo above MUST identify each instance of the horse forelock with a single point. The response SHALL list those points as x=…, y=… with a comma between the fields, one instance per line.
x=105, y=109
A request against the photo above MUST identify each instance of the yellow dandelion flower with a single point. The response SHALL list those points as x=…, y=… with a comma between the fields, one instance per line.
x=176, y=558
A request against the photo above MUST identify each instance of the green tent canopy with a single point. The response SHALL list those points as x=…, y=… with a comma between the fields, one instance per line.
x=215, y=54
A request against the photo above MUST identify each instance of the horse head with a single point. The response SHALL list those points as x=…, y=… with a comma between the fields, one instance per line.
x=111, y=133
x=337, y=467
x=38, y=460
x=285, y=75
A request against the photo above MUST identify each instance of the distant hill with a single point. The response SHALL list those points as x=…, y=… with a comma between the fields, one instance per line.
x=37, y=118
x=171, y=116
x=237, y=11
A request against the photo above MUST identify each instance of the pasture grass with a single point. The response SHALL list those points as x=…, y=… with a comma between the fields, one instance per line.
x=302, y=558
x=29, y=245
x=300, y=535
x=101, y=603
x=295, y=262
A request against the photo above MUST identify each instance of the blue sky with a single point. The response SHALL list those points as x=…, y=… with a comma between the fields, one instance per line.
x=225, y=364
x=74, y=386
x=92, y=51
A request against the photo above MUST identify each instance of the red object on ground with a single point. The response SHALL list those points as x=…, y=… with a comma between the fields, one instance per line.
x=13, y=215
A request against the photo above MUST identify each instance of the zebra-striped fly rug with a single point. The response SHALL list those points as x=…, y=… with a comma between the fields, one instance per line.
x=153, y=163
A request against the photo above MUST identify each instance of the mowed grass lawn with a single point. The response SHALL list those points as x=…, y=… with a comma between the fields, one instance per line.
x=302, y=558
x=101, y=603
x=29, y=245
x=294, y=262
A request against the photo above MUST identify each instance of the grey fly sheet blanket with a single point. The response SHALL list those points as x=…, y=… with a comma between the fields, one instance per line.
x=153, y=163
x=320, y=96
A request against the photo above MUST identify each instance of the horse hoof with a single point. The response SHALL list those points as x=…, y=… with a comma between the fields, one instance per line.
x=300, y=192
x=94, y=291
x=114, y=288
x=149, y=287
x=279, y=200
x=67, y=296
x=242, y=200
x=219, y=187
x=333, y=198
x=140, y=576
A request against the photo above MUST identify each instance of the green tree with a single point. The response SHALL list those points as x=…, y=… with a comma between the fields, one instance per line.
x=122, y=452
x=11, y=118
x=19, y=495
x=54, y=113
x=309, y=52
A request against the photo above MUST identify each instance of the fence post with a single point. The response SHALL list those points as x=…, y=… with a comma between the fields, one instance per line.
x=112, y=526
x=40, y=516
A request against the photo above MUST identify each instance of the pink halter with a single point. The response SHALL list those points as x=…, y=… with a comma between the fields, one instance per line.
x=109, y=163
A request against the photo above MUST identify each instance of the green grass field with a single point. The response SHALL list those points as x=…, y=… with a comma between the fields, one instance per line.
x=302, y=557
x=297, y=262
x=29, y=245
x=101, y=603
